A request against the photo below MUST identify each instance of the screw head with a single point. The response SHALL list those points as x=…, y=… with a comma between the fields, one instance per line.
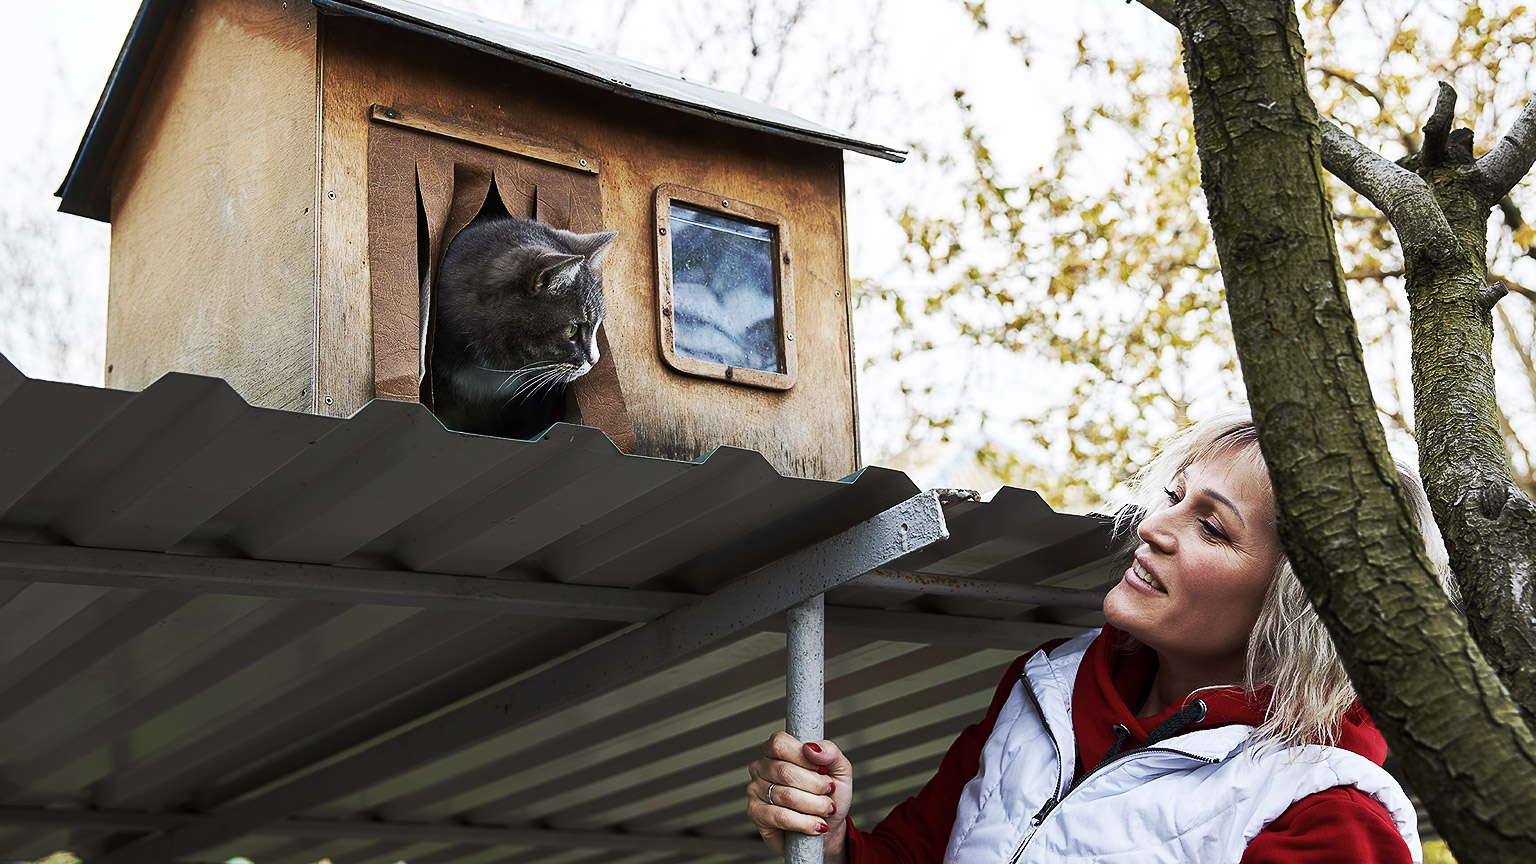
x=583, y=163
x=791, y=336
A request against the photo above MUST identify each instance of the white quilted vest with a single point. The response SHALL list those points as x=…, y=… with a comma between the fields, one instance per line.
x=1197, y=797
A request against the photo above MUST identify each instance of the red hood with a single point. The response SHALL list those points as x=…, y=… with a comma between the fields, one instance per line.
x=1113, y=680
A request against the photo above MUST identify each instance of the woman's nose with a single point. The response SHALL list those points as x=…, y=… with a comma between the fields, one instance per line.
x=1156, y=531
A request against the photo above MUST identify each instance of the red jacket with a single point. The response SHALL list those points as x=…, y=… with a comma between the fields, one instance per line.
x=1338, y=824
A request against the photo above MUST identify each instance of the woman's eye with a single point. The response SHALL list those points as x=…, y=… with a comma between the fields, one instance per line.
x=1173, y=497
x=571, y=331
x=1210, y=528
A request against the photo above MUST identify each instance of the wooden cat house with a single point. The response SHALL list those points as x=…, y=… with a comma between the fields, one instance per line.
x=282, y=178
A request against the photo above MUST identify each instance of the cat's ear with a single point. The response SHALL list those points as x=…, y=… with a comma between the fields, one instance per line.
x=594, y=246
x=555, y=272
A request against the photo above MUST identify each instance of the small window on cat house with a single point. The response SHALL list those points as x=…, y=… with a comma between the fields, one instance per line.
x=724, y=297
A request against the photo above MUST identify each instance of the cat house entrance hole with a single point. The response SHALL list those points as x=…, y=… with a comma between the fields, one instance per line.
x=428, y=178
x=724, y=297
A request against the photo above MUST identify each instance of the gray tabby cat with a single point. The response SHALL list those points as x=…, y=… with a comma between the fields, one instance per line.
x=518, y=306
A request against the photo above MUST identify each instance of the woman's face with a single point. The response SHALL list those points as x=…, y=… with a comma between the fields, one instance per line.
x=1199, y=576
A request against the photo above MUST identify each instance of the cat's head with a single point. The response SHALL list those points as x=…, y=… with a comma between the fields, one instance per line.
x=526, y=294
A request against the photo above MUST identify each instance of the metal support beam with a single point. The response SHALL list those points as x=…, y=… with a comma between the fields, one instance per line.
x=934, y=629
x=153, y=571
x=805, y=690
x=981, y=589
x=814, y=570
x=156, y=571
x=403, y=832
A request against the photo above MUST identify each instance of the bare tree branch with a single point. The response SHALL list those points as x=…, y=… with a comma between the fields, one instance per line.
x=1397, y=418
x=1516, y=288
x=1527, y=483
x=1161, y=8
x=1514, y=220
x=1438, y=127
x=1373, y=273
x=1401, y=194
x=1511, y=211
x=1354, y=83
x=1509, y=160
x=1520, y=349
x=1517, y=445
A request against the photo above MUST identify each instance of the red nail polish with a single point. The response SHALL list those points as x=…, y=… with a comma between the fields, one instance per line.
x=814, y=748
x=821, y=769
x=831, y=787
x=834, y=809
x=821, y=828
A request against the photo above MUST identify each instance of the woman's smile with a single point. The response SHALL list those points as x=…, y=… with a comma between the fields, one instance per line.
x=1141, y=576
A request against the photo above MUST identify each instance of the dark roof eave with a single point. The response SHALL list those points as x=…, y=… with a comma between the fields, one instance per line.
x=83, y=192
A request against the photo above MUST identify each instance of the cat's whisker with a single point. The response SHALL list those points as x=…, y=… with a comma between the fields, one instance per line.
x=535, y=382
x=529, y=367
x=519, y=378
x=523, y=392
x=516, y=376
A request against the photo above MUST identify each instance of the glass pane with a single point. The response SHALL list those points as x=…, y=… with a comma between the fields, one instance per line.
x=724, y=306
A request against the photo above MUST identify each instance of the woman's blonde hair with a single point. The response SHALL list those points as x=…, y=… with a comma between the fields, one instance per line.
x=1289, y=650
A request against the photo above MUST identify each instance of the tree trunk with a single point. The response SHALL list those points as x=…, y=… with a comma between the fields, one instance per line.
x=1489, y=524
x=1462, y=740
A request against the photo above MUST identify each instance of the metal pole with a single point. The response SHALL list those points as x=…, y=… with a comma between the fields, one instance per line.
x=804, y=683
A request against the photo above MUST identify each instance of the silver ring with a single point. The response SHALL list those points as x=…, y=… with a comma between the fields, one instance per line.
x=769, y=796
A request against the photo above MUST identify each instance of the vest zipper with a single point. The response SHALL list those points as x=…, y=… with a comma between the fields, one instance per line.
x=1054, y=801
x=1051, y=802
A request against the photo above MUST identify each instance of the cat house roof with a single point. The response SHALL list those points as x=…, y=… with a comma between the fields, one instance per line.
x=81, y=191
x=239, y=631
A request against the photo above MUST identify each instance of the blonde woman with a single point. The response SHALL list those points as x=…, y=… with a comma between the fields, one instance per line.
x=1209, y=720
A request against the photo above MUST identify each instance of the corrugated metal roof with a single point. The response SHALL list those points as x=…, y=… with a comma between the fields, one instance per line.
x=80, y=191
x=229, y=630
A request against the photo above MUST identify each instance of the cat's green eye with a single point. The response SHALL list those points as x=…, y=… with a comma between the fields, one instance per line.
x=571, y=331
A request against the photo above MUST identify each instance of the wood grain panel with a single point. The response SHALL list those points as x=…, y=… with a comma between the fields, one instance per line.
x=213, y=207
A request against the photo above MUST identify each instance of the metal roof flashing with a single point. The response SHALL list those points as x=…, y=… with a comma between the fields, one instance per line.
x=82, y=191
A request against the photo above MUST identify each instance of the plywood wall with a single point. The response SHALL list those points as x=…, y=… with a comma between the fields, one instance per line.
x=807, y=431
x=214, y=237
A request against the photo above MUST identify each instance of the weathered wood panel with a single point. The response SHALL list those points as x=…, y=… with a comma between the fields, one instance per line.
x=808, y=430
x=213, y=207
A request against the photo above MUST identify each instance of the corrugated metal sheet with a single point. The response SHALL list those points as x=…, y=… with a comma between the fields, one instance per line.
x=81, y=192
x=291, y=637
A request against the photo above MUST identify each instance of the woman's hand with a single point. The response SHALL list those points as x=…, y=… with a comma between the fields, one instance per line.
x=810, y=786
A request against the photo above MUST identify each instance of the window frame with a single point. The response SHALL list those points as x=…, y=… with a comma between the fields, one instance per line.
x=784, y=297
